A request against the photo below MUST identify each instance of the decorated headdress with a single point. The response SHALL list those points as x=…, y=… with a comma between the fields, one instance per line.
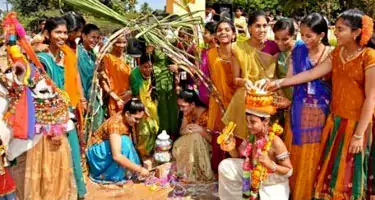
x=264, y=104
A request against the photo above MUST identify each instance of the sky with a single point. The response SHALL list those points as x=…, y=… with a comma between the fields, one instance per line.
x=154, y=4
x=3, y=5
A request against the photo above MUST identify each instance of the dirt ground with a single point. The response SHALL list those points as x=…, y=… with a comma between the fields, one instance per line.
x=129, y=191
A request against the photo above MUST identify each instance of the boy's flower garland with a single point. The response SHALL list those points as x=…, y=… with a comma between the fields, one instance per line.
x=254, y=173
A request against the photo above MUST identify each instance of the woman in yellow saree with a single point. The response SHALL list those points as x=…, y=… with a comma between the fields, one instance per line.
x=257, y=61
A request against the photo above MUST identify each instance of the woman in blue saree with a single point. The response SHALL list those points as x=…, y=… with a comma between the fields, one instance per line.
x=111, y=154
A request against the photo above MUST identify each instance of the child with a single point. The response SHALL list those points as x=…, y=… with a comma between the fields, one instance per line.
x=266, y=167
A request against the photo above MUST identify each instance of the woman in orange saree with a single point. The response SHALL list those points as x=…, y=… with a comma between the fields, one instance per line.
x=118, y=72
x=220, y=62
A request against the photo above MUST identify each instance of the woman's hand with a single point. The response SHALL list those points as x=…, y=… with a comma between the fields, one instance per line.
x=173, y=68
x=126, y=96
x=356, y=145
x=56, y=140
x=194, y=128
x=144, y=172
x=40, y=47
x=273, y=85
x=266, y=161
x=120, y=104
x=248, y=84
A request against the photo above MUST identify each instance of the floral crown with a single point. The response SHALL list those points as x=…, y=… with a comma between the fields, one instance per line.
x=367, y=30
x=262, y=103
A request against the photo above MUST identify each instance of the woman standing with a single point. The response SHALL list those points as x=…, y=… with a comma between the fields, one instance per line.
x=257, y=61
x=75, y=24
x=86, y=67
x=210, y=41
x=284, y=38
x=117, y=71
x=343, y=171
x=310, y=106
x=221, y=61
x=60, y=63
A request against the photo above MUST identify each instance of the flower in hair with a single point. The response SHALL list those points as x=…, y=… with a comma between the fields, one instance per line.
x=367, y=30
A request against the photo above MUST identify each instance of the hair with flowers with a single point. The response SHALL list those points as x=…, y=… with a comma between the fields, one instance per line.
x=356, y=19
x=367, y=30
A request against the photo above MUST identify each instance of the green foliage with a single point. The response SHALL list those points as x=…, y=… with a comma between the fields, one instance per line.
x=145, y=8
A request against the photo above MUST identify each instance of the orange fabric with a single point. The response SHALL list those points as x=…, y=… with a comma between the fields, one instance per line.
x=118, y=73
x=304, y=170
x=114, y=125
x=348, y=82
x=72, y=83
x=222, y=77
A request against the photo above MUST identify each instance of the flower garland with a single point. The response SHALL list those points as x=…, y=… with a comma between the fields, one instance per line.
x=254, y=173
x=367, y=30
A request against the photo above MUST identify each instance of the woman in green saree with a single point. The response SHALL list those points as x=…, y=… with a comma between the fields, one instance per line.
x=86, y=67
x=60, y=63
x=141, y=86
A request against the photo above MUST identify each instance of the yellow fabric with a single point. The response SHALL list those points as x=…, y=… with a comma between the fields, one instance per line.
x=49, y=172
x=241, y=21
x=255, y=65
x=118, y=73
x=192, y=153
x=145, y=97
x=72, y=83
x=222, y=77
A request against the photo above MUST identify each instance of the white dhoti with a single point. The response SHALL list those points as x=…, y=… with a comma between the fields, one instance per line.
x=276, y=187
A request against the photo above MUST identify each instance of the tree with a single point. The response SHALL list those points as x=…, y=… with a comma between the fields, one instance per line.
x=145, y=8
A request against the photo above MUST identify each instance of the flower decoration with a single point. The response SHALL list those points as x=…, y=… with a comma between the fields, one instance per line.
x=367, y=30
x=253, y=169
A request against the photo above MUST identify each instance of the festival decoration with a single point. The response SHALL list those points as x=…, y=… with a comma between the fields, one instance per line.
x=163, y=145
x=36, y=105
x=262, y=104
x=254, y=172
x=226, y=139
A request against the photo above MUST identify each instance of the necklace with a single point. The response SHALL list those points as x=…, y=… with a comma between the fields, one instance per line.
x=89, y=55
x=260, y=47
x=59, y=58
x=320, y=57
x=348, y=56
x=227, y=59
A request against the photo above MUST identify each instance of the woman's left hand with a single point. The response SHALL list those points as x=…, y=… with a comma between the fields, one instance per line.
x=265, y=160
x=56, y=140
x=356, y=145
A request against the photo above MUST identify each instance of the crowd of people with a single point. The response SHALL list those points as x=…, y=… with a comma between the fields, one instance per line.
x=325, y=151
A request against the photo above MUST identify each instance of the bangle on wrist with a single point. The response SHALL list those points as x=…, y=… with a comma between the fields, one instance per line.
x=278, y=83
x=358, y=136
x=274, y=167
